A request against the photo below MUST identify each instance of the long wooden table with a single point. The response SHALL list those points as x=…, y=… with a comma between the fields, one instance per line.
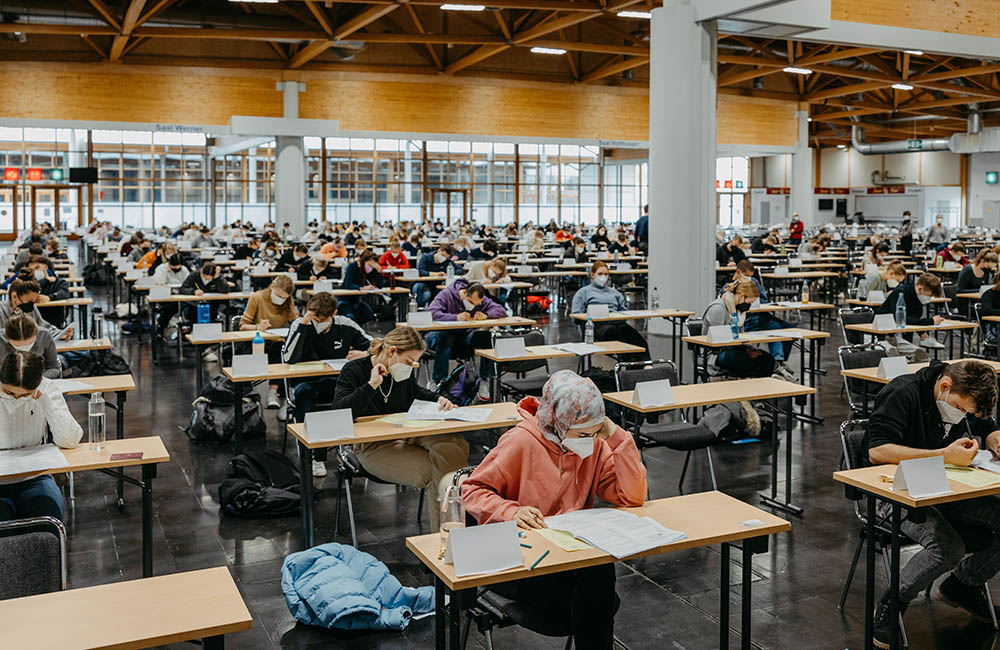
x=707, y=519
x=675, y=316
x=130, y=615
x=948, y=326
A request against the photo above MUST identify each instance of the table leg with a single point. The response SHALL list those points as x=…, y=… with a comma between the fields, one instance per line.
x=120, y=433
x=154, y=339
x=148, y=474
x=724, y=599
x=214, y=643
x=238, y=418
x=870, y=573
x=745, y=597
x=894, y=577
x=440, y=641
x=82, y=334
x=306, y=493
x=199, y=368
x=454, y=620
x=772, y=499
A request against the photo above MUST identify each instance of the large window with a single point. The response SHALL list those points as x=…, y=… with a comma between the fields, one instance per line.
x=732, y=180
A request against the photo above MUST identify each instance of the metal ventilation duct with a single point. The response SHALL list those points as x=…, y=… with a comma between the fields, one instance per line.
x=977, y=140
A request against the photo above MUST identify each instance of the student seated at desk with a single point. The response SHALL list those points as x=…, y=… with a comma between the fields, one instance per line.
x=487, y=251
x=315, y=268
x=39, y=268
x=731, y=252
x=461, y=301
x=52, y=250
x=171, y=274
x=140, y=247
x=412, y=245
x=364, y=274
x=382, y=383
x=246, y=251
x=915, y=296
x=431, y=264
x=394, y=257
x=562, y=456
x=333, y=249
x=952, y=253
x=990, y=306
x=460, y=251
x=488, y=272
x=600, y=292
x=621, y=245
x=291, y=258
x=21, y=332
x=941, y=410
x=761, y=321
x=979, y=272
x=25, y=296
x=883, y=278
x=742, y=360
x=206, y=280
x=600, y=239
x=28, y=404
x=267, y=308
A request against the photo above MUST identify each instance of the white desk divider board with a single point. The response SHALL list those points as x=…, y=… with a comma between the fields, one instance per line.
x=524, y=269
x=340, y=261
x=221, y=258
x=319, y=286
x=158, y=293
x=419, y=319
x=484, y=549
x=241, y=264
x=922, y=477
x=206, y=331
x=261, y=268
x=144, y=282
x=249, y=365
x=653, y=393
x=720, y=334
x=892, y=367
x=322, y=426
x=795, y=261
x=885, y=322
x=781, y=270
x=623, y=266
x=510, y=348
x=876, y=296
x=598, y=311
x=411, y=273
x=951, y=266
x=133, y=275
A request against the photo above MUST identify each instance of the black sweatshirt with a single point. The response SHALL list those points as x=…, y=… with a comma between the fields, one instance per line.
x=914, y=308
x=354, y=392
x=304, y=343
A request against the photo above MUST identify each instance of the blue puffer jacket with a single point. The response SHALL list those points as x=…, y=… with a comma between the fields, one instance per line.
x=338, y=586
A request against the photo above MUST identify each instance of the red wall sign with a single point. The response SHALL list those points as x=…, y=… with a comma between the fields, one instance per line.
x=35, y=174
x=11, y=174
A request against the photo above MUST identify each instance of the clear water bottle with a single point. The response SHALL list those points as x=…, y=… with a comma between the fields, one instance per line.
x=258, y=343
x=245, y=280
x=97, y=431
x=452, y=512
x=97, y=323
x=805, y=291
x=588, y=331
x=900, y=311
x=616, y=256
x=734, y=324
x=863, y=290
x=204, y=312
x=654, y=299
x=450, y=273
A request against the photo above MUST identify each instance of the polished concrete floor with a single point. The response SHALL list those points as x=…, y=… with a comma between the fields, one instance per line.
x=668, y=601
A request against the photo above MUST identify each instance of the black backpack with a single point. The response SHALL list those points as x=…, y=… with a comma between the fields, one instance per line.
x=268, y=467
x=96, y=364
x=213, y=418
x=461, y=386
x=263, y=484
x=95, y=275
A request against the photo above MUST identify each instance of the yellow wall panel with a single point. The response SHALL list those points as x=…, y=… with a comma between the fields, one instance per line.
x=970, y=17
x=753, y=120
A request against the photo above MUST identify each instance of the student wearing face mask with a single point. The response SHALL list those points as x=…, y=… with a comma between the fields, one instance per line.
x=431, y=264
x=382, y=383
x=22, y=296
x=207, y=280
x=916, y=296
x=461, y=301
x=31, y=407
x=291, y=258
x=315, y=268
x=937, y=234
x=560, y=458
x=600, y=292
x=743, y=360
x=954, y=252
x=600, y=238
x=621, y=245
x=268, y=308
x=941, y=410
x=173, y=273
x=39, y=269
x=317, y=335
x=364, y=274
x=460, y=251
x=487, y=251
x=394, y=257
x=21, y=332
x=977, y=274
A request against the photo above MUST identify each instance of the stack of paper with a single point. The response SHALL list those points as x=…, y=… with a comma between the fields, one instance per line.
x=637, y=313
x=421, y=410
x=615, y=532
x=278, y=331
x=579, y=349
x=335, y=364
x=985, y=460
x=31, y=459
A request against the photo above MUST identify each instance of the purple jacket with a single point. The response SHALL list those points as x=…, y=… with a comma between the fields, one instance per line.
x=448, y=304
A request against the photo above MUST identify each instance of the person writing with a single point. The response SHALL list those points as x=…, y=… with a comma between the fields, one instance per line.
x=24, y=296
x=600, y=292
x=382, y=383
x=431, y=264
x=563, y=455
x=394, y=258
x=941, y=410
x=291, y=258
x=363, y=274
x=741, y=360
x=32, y=406
x=315, y=268
x=915, y=297
x=953, y=253
x=268, y=308
x=21, y=332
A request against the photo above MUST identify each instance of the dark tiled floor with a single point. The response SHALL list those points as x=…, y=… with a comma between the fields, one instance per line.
x=670, y=601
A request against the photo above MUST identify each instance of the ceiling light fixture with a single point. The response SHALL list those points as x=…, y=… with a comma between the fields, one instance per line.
x=902, y=86
x=794, y=70
x=841, y=146
x=548, y=50
x=915, y=52
x=635, y=14
x=454, y=7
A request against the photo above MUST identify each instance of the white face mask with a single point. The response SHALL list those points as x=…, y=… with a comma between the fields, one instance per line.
x=892, y=284
x=322, y=327
x=582, y=447
x=39, y=275
x=924, y=299
x=949, y=414
x=440, y=258
x=467, y=304
x=25, y=347
x=400, y=371
x=601, y=280
x=276, y=299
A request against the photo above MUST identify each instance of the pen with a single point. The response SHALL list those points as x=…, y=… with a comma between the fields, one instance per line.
x=538, y=560
x=525, y=546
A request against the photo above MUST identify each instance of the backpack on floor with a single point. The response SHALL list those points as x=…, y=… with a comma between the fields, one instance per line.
x=94, y=364
x=213, y=418
x=268, y=467
x=461, y=386
x=242, y=497
x=95, y=275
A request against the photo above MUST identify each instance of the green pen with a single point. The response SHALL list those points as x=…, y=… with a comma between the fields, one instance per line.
x=538, y=560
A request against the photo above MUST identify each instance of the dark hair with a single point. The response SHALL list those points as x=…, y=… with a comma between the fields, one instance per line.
x=882, y=247
x=931, y=282
x=490, y=245
x=22, y=369
x=746, y=266
x=21, y=286
x=301, y=248
x=958, y=247
x=476, y=289
x=974, y=379
x=35, y=249
x=322, y=304
x=367, y=256
x=20, y=327
x=645, y=208
x=209, y=268
x=175, y=260
x=445, y=248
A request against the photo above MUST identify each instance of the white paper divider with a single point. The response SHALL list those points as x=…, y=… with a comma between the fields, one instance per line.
x=508, y=348
x=922, y=477
x=720, y=334
x=411, y=273
x=206, y=331
x=241, y=264
x=876, y=296
x=892, y=367
x=323, y=426
x=249, y=365
x=653, y=393
x=598, y=311
x=885, y=322
x=320, y=286
x=419, y=319
x=484, y=549
x=158, y=293
x=781, y=270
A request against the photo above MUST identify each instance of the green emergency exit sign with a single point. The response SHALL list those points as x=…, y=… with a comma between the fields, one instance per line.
x=914, y=145
x=992, y=178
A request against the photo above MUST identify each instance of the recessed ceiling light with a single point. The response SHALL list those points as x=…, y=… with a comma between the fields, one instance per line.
x=809, y=119
x=794, y=70
x=841, y=146
x=548, y=50
x=902, y=86
x=915, y=52
x=635, y=14
x=453, y=7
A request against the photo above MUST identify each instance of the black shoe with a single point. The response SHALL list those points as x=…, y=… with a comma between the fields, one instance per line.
x=972, y=599
x=882, y=625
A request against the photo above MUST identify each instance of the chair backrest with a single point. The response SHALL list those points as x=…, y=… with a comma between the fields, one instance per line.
x=694, y=326
x=532, y=336
x=627, y=375
x=852, y=357
x=855, y=317
x=32, y=557
x=854, y=454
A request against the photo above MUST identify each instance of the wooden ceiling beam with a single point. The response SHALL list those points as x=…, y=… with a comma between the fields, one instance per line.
x=315, y=48
x=320, y=15
x=154, y=11
x=128, y=24
x=836, y=115
x=420, y=29
x=955, y=73
x=614, y=68
x=89, y=41
x=106, y=14
x=529, y=5
x=596, y=48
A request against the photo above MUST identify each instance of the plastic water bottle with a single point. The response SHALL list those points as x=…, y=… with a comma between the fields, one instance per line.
x=900, y=311
x=452, y=512
x=245, y=280
x=97, y=433
x=805, y=291
x=734, y=324
x=97, y=323
x=258, y=343
x=654, y=299
x=863, y=290
x=588, y=331
x=204, y=312
x=450, y=273
x=616, y=256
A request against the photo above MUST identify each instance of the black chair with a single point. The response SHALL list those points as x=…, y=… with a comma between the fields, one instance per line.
x=855, y=454
x=519, y=384
x=986, y=350
x=679, y=435
x=858, y=316
x=32, y=557
x=852, y=357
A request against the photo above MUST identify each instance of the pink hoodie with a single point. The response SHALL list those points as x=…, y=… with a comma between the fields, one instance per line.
x=527, y=469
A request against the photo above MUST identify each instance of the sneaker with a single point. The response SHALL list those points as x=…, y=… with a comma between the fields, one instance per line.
x=484, y=391
x=432, y=385
x=170, y=333
x=210, y=357
x=782, y=369
x=272, y=401
x=319, y=469
x=882, y=626
x=972, y=599
x=931, y=343
x=283, y=412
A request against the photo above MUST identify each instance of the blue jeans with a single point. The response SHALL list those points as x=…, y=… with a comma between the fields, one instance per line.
x=309, y=393
x=35, y=497
x=761, y=322
x=358, y=311
x=459, y=344
x=423, y=292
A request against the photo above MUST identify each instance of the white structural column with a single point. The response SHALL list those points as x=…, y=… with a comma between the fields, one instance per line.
x=682, y=133
x=290, y=167
x=802, y=173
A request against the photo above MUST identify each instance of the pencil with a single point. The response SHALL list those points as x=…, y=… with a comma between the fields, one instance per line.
x=525, y=546
x=538, y=560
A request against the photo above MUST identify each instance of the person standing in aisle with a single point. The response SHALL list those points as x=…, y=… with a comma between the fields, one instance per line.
x=906, y=234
